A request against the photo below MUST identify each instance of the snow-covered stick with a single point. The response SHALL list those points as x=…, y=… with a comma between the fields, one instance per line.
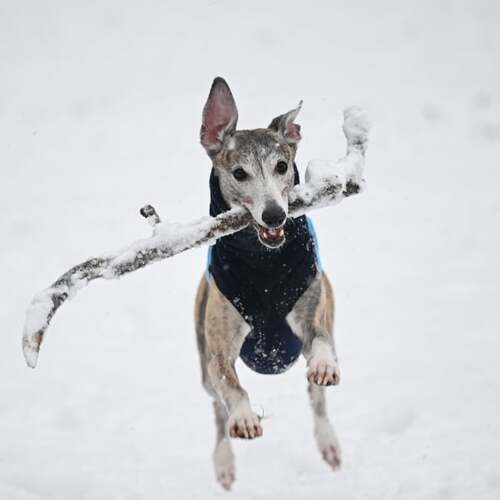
x=327, y=183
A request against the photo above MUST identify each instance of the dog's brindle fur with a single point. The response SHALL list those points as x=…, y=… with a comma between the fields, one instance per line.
x=220, y=329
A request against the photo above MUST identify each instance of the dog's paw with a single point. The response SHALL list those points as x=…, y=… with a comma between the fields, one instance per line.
x=323, y=370
x=244, y=423
x=224, y=464
x=328, y=444
x=331, y=456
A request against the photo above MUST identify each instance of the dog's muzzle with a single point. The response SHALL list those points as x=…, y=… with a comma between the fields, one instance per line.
x=271, y=237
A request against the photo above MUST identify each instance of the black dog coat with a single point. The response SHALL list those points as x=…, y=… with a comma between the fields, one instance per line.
x=264, y=284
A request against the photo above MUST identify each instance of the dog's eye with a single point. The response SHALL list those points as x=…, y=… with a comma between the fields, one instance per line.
x=281, y=167
x=239, y=174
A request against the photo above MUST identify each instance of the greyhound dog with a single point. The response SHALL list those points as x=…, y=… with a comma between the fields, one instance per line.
x=264, y=297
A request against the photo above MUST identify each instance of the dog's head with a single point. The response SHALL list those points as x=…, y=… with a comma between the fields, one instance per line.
x=254, y=167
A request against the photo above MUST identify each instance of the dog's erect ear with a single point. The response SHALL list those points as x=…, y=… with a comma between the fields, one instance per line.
x=219, y=116
x=286, y=126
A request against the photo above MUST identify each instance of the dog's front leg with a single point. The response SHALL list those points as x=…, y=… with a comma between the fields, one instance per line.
x=312, y=319
x=225, y=332
x=319, y=345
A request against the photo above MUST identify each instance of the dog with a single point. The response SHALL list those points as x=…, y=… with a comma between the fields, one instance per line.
x=264, y=297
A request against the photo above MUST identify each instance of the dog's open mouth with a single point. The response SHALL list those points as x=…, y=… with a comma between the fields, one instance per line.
x=271, y=237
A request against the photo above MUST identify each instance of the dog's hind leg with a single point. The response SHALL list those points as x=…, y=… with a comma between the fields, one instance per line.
x=223, y=454
x=326, y=439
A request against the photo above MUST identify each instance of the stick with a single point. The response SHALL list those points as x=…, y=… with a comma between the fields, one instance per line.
x=327, y=183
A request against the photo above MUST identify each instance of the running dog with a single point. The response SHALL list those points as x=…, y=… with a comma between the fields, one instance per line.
x=264, y=297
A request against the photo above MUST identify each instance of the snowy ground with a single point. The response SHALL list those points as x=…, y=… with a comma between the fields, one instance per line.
x=99, y=113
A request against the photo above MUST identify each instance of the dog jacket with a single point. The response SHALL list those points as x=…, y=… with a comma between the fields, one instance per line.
x=264, y=284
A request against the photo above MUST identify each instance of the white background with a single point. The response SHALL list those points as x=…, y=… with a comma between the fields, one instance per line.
x=100, y=106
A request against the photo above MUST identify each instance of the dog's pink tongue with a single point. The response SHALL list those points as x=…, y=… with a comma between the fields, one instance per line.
x=274, y=234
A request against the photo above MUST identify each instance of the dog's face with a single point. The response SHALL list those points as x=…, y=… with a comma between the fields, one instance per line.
x=254, y=167
x=255, y=170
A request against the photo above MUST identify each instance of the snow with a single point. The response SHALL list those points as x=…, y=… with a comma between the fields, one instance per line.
x=100, y=108
x=348, y=168
x=356, y=125
x=36, y=316
x=36, y=321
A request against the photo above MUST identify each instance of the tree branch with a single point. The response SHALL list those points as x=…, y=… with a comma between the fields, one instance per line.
x=327, y=183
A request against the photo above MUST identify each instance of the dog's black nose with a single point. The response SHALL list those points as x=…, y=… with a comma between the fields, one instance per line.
x=273, y=215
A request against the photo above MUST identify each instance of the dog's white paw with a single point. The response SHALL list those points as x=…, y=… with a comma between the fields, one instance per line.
x=224, y=464
x=244, y=423
x=323, y=369
x=328, y=443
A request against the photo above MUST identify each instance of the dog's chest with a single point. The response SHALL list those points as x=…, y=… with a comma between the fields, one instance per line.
x=264, y=286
